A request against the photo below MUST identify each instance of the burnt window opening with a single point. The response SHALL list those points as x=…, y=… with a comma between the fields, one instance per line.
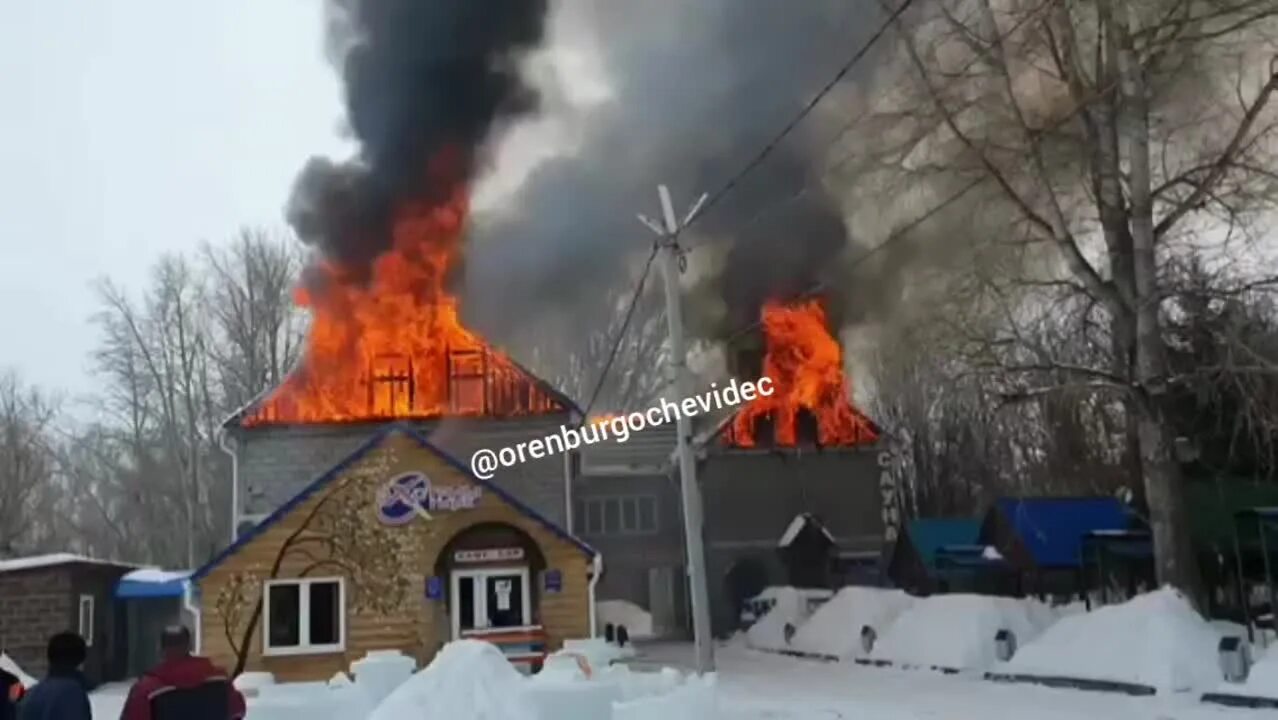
x=807, y=430
x=765, y=430
x=467, y=371
x=391, y=388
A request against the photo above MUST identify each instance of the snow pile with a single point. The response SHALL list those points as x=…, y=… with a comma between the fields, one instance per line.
x=7, y=664
x=695, y=699
x=1156, y=639
x=638, y=621
x=468, y=679
x=835, y=628
x=957, y=631
x=635, y=685
x=379, y=672
x=1263, y=678
x=790, y=608
x=155, y=575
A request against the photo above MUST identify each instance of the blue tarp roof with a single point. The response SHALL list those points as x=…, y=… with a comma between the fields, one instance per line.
x=1052, y=529
x=930, y=535
x=151, y=584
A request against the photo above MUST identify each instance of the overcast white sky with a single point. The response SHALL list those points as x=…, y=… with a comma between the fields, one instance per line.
x=133, y=127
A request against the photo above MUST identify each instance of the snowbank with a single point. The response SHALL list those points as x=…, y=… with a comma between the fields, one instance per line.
x=1156, y=639
x=957, y=631
x=638, y=621
x=835, y=628
x=7, y=664
x=790, y=607
x=693, y=700
x=1262, y=680
x=468, y=679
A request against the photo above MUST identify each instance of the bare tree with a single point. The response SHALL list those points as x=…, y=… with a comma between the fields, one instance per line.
x=26, y=463
x=1110, y=133
x=258, y=330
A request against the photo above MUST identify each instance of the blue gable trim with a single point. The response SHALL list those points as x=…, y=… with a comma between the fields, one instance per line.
x=374, y=441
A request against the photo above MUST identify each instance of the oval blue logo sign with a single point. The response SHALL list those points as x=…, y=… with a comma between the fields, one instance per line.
x=403, y=497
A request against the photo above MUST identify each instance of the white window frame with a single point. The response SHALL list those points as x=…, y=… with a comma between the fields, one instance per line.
x=86, y=632
x=304, y=617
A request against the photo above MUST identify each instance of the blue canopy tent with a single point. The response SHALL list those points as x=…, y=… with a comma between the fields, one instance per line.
x=1044, y=538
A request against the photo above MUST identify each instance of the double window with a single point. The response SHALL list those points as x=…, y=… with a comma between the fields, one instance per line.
x=305, y=616
x=622, y=515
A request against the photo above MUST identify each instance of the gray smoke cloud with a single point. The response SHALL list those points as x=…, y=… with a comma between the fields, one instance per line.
x=699, y=87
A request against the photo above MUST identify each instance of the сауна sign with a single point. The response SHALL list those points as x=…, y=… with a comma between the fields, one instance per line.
x=410, y=494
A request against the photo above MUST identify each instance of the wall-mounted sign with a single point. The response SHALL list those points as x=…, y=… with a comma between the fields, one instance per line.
x=489, y=555
x=554, y=581
x=434, y=588
x=502, y=588
x=406, y=496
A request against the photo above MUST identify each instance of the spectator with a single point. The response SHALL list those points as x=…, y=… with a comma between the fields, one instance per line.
x=63, y=693
x=11, y=691
x=183, y=686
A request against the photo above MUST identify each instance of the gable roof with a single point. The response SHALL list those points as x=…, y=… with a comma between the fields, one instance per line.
x=931, y=534
x=373, y=442
x=255, y=403
x=797, y=525
x=53, y=559
x=1052, y=529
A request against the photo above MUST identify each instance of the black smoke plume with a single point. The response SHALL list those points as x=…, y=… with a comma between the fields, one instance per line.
x=699, y=86
x=426, y=82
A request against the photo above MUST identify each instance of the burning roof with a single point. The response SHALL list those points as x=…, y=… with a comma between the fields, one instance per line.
x=811, y=402
x=392, y=347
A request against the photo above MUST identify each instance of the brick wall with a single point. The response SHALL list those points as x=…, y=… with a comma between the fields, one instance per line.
x=277, y=462
x=34, y=604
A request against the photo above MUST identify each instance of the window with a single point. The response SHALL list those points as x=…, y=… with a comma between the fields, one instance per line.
x=630, y=515
x=305, y=616
x=86, y=619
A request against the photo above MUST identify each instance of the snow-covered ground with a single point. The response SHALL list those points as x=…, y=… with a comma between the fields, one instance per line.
x=755, y=685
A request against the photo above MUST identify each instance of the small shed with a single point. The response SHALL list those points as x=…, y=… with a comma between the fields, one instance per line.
x=807, y=550
x=43, y=595
x=1041, y=538
x=152, y=599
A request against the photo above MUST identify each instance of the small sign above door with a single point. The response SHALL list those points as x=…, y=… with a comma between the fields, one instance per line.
x=489, y=555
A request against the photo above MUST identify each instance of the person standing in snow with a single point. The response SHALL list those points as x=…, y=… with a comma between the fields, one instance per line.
x=183, y=686
x=63, y=694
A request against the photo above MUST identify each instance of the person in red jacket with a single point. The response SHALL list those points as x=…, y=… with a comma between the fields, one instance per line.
x=183, y=686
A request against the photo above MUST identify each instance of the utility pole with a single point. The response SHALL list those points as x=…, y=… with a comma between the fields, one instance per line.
x=672, y=261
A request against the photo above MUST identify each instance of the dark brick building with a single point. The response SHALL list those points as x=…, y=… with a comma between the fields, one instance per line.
x=48, y=594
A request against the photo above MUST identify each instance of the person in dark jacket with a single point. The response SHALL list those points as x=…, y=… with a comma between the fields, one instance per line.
x=183, y=686
x=11, y=692
x=63, y=694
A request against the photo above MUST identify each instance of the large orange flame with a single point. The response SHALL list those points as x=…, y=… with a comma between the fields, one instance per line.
x=805, y=364
x=391, y=345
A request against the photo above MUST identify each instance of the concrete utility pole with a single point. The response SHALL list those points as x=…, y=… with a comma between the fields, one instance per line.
x=671, y=259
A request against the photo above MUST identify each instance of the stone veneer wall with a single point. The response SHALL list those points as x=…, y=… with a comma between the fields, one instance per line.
x=34, y=605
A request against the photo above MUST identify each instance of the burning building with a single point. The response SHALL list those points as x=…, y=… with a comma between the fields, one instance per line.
x=803, y=457
x=358, y=525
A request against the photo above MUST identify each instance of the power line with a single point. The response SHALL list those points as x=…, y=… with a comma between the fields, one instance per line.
x=621, y=333
x=794, y=122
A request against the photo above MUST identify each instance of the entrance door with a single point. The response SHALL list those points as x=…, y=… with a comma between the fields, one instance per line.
x=490, y=599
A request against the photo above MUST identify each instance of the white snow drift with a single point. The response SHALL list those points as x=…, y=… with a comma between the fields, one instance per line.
x=835, y=628
x=957, y=631
x=1157, y=640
